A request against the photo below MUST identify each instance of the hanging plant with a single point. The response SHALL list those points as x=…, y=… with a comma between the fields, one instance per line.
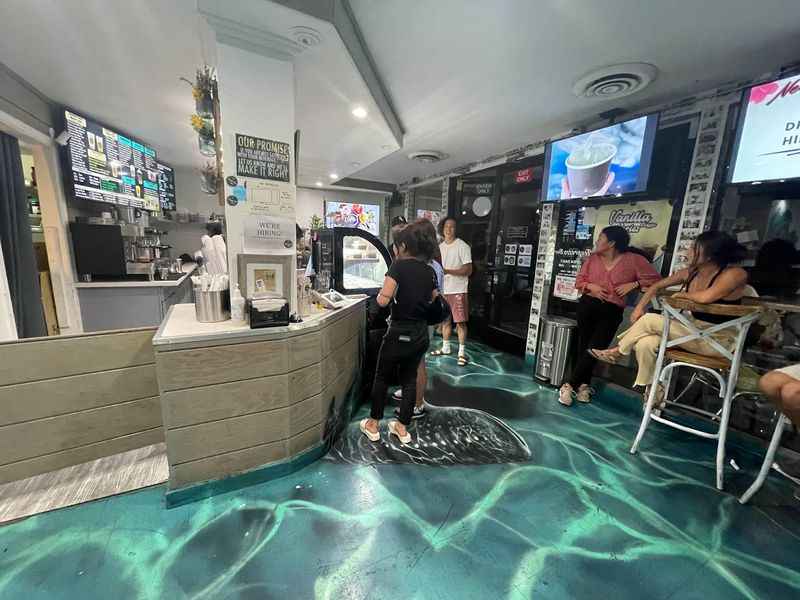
x=316, y=223
x=203, y=90
x=209, y=179
x=205, y=133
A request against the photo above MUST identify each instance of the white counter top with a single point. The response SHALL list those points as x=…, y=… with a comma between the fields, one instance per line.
x=181, y=327
x=135, y=284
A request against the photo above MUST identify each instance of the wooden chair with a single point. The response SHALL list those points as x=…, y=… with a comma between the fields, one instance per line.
x=723, y=368
x=769, y=459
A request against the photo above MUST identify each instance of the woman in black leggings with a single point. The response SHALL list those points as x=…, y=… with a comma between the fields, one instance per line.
x=409, y=286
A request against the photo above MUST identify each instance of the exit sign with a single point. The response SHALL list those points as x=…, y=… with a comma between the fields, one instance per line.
x=524, y=176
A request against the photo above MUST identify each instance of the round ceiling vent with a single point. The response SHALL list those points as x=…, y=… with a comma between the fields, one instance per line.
x=307, y=36
x=427, y=156
x=615, y=81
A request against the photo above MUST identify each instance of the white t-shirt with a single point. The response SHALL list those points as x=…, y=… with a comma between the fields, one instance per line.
x=455, y=256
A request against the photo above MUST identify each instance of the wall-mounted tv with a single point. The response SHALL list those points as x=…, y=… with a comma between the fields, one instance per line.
x=610, y=161
x=767, y=144
x=360, y=216
x=106, y=166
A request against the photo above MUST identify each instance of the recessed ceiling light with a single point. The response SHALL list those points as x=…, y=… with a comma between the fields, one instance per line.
x=359, y=112
x=355, y=164
x=333, y=176
x=319, y=184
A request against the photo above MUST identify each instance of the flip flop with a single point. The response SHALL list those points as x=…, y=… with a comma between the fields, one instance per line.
x=602, y=356
x=440, y=353
x=373, y=437
x=463, y=361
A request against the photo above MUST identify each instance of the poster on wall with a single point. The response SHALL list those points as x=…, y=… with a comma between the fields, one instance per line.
x=358, y=216
x=646, y=222
x=261, y=158
x=574, y=243
x=268, y=214
x=434, y=216
x=768, y=140
x=548, y=227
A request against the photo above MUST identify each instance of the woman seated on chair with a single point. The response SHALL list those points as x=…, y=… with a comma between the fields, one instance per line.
x=708, y=279
x=782, y=389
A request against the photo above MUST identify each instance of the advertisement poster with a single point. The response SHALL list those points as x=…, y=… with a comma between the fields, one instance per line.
x=646, y=222
x=262, y=158
x=612, y=160
x=769, y=144
x=359, y=216
x=433, y=216
x=574, y=243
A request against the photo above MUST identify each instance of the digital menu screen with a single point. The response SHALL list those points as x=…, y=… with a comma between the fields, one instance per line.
x=166, y=187
x=768, y=137
x=611, y=161
x=108, y=167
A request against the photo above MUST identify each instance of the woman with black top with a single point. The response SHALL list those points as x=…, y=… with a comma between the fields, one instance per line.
x=709, y=279
x=409, y=286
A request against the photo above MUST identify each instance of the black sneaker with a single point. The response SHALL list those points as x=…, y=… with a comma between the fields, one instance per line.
x=418, y=413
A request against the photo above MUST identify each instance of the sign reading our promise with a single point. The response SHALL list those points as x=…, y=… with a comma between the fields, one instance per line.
x=262, y=159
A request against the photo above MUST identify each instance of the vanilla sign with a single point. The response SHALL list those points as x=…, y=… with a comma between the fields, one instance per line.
x=261, y=158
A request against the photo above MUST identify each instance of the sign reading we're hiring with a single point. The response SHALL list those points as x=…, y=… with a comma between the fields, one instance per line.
x=262, y=158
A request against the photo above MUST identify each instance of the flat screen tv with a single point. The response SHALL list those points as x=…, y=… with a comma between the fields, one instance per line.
x=767, y=144
x=611, y=161
x=106, y=166
x=348, y=214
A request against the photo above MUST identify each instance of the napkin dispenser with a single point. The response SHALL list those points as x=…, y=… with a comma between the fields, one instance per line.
x=268, y=312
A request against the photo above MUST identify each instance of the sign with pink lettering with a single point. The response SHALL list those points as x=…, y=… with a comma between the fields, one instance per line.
x=768, y=140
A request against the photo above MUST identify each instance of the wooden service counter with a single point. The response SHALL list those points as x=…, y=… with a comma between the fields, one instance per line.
x=235, y=399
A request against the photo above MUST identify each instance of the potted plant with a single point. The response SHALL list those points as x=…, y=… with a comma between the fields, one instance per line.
x=209, y=178
x=203, y=90
x=205, y=133
x=315, y=225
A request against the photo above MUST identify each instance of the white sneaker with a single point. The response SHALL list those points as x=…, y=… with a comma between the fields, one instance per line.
x=584, y=394
x=565, y=395
x=398, y=394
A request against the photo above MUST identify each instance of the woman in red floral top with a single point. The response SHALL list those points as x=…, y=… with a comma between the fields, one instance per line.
x=610, y=273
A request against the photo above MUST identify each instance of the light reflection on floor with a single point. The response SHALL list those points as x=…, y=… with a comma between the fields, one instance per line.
x=583, y=519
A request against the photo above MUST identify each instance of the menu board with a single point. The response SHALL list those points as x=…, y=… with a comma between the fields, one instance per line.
x=166, y=187
x=108, y=167
x=573, y=244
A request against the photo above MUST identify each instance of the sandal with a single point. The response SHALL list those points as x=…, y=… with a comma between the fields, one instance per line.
x=440, y=353
x=605, y=356
x=462, y=361
x=372, y=436
x=406, y=439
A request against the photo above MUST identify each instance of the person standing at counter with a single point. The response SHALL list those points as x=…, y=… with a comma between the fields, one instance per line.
x=410, y=287
x=610, y=273
x=457, y=263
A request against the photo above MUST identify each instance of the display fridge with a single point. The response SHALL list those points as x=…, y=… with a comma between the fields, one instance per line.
x=350, y=261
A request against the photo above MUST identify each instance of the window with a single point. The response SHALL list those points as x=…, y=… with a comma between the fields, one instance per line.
x=363, y=265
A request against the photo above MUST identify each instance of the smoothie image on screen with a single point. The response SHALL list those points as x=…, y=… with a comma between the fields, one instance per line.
x=588, y=167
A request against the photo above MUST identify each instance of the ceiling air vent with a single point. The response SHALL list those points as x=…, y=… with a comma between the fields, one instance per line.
x=427, y=156
x=306, y=36
x=615, y=81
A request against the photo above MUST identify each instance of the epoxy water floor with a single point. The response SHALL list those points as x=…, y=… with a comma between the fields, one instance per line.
x=582, y=519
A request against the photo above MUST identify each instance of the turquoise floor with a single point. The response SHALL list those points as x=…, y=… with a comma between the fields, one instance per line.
x=583, y=519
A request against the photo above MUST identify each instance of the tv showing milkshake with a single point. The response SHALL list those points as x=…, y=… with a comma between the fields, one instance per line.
x=611, y=161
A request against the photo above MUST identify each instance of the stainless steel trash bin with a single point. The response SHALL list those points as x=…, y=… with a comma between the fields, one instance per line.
x=556, y=335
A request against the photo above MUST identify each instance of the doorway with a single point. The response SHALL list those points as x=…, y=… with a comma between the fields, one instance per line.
x=498, y=214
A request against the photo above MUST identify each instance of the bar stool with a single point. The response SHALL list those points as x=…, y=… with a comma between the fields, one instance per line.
x=723, y=368
x=769, y=459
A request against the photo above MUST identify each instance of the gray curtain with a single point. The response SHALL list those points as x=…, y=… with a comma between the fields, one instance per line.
x=15, y=235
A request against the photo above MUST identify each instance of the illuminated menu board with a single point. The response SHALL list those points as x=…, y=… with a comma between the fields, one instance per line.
x=108, y=167
x=166, y=187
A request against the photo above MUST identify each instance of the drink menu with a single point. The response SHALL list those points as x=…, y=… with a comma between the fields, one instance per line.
x=573, y=244
x=108, y=167
x=166, y=187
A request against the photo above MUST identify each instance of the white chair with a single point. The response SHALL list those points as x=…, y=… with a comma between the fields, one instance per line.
x=724, y=368
x=769, y=459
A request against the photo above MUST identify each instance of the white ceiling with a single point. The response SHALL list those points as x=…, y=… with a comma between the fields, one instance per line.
x=119, y=61
x=474, y=78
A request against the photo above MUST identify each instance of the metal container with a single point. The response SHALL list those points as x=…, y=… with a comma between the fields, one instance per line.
x=212, y=307
x=556, y=339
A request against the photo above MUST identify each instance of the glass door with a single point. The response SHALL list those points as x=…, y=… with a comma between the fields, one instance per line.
x=360, y=263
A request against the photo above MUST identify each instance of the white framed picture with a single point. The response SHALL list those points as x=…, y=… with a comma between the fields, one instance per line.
x=266, y=275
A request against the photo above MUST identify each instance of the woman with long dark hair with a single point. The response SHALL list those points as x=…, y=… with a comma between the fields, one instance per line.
x=410, y=287
x=710, y=278
x=610, y=273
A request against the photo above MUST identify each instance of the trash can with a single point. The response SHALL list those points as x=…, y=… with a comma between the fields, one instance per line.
x=556, y=337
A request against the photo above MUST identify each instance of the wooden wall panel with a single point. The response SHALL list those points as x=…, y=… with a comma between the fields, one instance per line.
x=304, y=350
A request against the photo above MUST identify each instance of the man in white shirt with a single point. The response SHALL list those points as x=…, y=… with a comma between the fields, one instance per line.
x=457, y=263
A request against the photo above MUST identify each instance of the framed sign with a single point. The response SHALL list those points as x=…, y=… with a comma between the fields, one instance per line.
x=261, y=158
x=266, y=275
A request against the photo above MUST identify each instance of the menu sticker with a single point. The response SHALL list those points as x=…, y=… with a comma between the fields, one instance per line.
x=262, y=158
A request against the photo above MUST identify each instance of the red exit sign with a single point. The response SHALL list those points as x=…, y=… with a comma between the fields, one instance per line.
x=524, y=176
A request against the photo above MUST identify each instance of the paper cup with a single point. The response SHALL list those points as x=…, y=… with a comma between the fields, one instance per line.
x=588, y=179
